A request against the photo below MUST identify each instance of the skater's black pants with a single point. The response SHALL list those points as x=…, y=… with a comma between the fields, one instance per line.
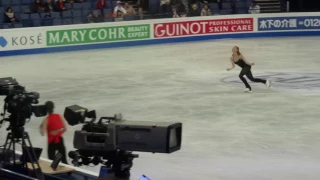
x=54, y=148
x=247, y=71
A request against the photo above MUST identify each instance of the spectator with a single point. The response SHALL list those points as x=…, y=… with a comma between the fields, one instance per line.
x=9, y=16
x=206, y=10
x=165, y=6
x=130, y=10
x=119, y=16
x=219, y=2
x=194, y=11
x=178, y=4
x=49, y=6
x=37, y=6
x=101, y=4
x=175, y=13
x=254, y=8
x=119, y=8
x=60, y=6
x=97, y=17
x=140, y=13
x=75, y=1
x=89, y=18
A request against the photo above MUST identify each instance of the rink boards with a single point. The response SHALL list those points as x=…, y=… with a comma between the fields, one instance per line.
x=147, y=32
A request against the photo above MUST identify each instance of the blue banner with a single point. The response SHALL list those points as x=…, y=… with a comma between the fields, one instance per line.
x=288, y=23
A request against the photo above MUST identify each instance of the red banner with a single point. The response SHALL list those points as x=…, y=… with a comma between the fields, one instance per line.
x=202, y=27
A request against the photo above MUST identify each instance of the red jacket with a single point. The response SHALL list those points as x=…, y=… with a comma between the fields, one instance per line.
x=101, y=4
x=55, y=122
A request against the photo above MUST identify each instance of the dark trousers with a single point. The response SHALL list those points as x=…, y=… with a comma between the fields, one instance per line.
x=54, y=148
x=247, y=71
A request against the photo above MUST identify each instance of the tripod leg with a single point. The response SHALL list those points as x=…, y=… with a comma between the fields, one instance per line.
x=4, y=150
x=32, y=156
x=14, y=152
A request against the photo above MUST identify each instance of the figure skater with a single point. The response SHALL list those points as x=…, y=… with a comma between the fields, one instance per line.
x=238, y=58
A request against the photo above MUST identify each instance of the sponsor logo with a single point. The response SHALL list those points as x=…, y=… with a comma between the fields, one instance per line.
x=284, y=81
x=3, y=42
x=16, y=41
x=203, y=27
x=95, y=35
x=289, y=23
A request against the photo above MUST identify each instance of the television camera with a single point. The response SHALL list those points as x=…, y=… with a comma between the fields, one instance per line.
x=111, y=140
x=21, y=105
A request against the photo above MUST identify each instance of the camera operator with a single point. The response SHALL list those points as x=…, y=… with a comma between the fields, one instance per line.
x=54, y=126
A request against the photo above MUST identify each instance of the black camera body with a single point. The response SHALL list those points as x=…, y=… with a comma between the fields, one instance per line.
x=20, y=104
x=111, y=140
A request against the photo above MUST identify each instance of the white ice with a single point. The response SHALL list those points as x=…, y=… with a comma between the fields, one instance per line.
x=228, y=135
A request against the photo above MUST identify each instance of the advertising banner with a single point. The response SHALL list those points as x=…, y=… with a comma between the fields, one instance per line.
x=288, y=23
x=96, y=35
x=202, y=27
x=29, y=39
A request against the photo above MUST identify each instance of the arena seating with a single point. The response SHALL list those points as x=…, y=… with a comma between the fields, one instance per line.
x=76, y=12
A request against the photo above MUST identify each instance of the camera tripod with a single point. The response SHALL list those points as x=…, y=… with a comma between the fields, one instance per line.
x=11, y=140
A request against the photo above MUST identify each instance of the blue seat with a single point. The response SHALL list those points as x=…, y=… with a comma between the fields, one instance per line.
x=16, y=2
x=44, y=15
x=77, y=13
x=24, y=8
x=34, y=16
x=114, y=3
x=57, y=22
x=24, y=16
x=25, y=20
x=77, y=21
x=107, y=11
x=241, y=5
x=226, y=6
x=109, y=19
x=36, y=22
x=87, y=5
x=66, y=21
x=66, y=14
x=214, y=6
x=16, y=9
x=85, y=12
x=55, y=14
x=129, y=18
x=2, y=10
x=27, y=2
x=7, y=26
x=47, y=22
x=109, y=4
x=17, y=15
x=242, y=11
x=17, y=25
x=226, y=11
x=77, y=6
x=6, y=3
x=68, y=6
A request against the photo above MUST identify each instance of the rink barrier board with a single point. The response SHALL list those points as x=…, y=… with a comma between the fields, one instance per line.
x=157, y=41
x=305, y=27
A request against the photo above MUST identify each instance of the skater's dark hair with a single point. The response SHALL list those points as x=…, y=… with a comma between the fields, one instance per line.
x=238, y=52
x=50, y=107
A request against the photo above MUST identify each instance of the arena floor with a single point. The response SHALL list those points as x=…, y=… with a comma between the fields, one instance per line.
x=270, y=134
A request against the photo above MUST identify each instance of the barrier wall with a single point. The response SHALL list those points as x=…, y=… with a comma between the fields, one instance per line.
x=145, y=32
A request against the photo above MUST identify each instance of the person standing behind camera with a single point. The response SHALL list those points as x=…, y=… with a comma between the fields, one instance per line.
x=54, y=126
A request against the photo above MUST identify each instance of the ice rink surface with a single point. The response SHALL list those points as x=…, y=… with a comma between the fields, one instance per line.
x=270, y=134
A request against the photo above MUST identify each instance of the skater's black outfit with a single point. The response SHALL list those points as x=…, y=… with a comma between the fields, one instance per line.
x=246, y=70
